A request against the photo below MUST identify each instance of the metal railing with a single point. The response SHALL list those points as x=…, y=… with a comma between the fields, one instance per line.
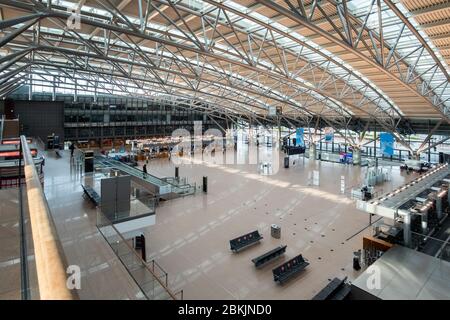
x=186, y=189
x=40, y=143
x=436, y=247
x=134, y=208
x=151, y=285
x=2, y=120
x=49, y=257
x=139, y=204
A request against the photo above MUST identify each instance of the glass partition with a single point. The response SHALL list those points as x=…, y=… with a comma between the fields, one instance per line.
x=136, y=202
x=164, y=184
x=437, y=246
x=27, y=224
x=150, y=278
x=17, y=264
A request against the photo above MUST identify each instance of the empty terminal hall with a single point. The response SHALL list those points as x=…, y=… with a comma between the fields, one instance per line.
x=224, y=150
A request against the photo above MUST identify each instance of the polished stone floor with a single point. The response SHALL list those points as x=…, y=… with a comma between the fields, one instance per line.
x=11, y=264
x=102, y=274
x=9, y=244
x=190, y=236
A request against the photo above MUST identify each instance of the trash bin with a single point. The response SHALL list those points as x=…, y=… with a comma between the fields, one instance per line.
x=205, y=184
x=88, y=161
x=275, y=231
x=286, y=162
x=357, y=260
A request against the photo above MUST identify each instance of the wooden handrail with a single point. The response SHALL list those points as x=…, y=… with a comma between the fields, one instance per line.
x=50, y=261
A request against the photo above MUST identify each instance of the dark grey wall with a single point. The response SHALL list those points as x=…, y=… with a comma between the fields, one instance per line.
x=40, y=118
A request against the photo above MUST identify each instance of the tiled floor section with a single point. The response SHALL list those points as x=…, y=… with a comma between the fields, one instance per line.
x=190, y=237
x=9, y=245
x=103, y=276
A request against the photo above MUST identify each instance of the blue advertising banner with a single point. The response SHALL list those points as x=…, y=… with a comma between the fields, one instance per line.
x=387, y=144
x=329, y=134
x=300, y=141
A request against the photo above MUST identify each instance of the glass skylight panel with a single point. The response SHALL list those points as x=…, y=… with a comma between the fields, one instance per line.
x=247, y=24
x=194, y=4
x=407, y=42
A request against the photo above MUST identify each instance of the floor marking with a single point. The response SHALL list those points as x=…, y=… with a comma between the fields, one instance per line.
x=363, y=229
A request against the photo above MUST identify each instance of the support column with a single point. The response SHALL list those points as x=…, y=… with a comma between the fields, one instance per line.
x=280, y=139
x=406, y=227
x=75, y=92
x=320, y=140
x=312, y=151
x=356, y=156
x=375, y=142
x=54, y=90
x=448, y=197
x=425, y=222
x=30, y=87
x=439, y=207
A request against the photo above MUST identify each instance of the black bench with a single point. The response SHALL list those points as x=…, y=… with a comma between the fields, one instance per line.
x=337, y=289
x=292, y=150
x=91, y=194
x=245, y=241
x=283, y=272
x=268, y=256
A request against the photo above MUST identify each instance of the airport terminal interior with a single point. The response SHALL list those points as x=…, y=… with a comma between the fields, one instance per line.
x=224, y=150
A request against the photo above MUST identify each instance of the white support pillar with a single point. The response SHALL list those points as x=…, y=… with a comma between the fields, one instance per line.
x=406, y=227
x=424, y=222
x=75, y=92
x=54, y=89
x=356, y=156
x=30, y=88
x=439, y=207
x=312, y=151
x=280, y=139
x=448, y=195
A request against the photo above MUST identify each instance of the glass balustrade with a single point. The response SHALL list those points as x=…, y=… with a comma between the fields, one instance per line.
x=168, y=186
x=150, y=277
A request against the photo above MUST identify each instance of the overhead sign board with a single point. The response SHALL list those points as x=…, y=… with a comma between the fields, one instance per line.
x=387, y=144
x=329, y=134
x=299, y=137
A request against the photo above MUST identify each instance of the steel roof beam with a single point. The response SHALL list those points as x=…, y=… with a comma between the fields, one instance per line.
x=376, y=64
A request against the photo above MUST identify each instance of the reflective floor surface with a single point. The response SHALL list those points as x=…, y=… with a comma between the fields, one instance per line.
x=190, y=238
